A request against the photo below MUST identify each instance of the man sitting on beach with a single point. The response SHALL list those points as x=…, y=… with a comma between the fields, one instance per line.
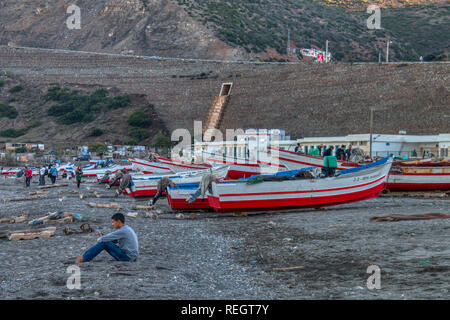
x=127, y=248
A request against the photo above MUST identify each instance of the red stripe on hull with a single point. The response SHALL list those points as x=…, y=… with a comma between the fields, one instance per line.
x=237, y=174
x=417, y=186
x=182, y=204
x=292, y=203
x=143, y=193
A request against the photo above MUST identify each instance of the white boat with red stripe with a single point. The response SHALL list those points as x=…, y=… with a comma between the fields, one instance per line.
x=354, y=184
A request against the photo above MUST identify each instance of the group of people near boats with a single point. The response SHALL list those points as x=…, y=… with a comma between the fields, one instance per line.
x=342, y=153
x=50, y=171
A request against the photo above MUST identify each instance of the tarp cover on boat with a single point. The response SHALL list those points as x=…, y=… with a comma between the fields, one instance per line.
x=289, y=173
x=370, y=165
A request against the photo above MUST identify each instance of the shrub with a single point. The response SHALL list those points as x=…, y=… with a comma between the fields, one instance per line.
x=138, y=134
x=16, y=89
x=118, y=102
x=139, y=119
x=13, y=133
x=8, y=111
x=160, y=140
x=2, y=83
x=95, y=132
x=76, y=107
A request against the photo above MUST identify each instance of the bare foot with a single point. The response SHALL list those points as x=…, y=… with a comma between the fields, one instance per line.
x=79, y=259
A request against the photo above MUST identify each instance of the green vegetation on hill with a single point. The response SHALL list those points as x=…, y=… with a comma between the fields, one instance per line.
x=77, y=107
x=257, y=25
x=7, y=111
x=95, y=132
x=15, y=89
x=139, y=119
x=15, y=133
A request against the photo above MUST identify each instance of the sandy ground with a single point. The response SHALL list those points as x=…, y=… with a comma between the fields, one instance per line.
x=221, y=256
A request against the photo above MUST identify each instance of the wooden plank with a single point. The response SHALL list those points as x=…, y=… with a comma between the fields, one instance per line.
x=288, y=268
x=32, y=234
x=104, y=205
x=21, y=199
x=53, y=186
x=139, y=207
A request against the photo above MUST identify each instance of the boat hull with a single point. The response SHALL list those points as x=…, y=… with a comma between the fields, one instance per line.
x=275, y=195
x=418, y=182
x=177, y=199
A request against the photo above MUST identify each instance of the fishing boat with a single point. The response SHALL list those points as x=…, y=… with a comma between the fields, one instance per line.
x=244, y=168
x=164, y=165
x=178, y=198
x=101, y=169
x=294, y=161
x=350, y=185
x=148, y=186
x=424, y=175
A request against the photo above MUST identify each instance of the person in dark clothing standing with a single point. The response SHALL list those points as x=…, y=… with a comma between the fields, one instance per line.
x=298, y=148
x=348, y=152
x=78, y=174
x=328, y=152
x=340, y=153
x=28, y=176
x=52, y=173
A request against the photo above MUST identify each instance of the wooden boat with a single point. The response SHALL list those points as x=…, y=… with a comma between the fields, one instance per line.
x=178, y=198
x=419, y=176
x=165, y=165
x=148, y=186
x=354, y=184
x=295, y=161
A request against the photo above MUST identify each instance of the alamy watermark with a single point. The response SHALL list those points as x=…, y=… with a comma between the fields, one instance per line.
x=73, y=22
x=374, y=21
x=74, y=280
x=374, y=281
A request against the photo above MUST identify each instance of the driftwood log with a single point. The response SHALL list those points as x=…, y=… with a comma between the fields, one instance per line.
x=32, y=234
x=53, y=186
x=21, y=199
x=104, y=205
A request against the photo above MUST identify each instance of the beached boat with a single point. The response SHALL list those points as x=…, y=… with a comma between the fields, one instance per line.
x=148, y=186
x=350, y=185
x=425, y=175
x=164, y=165
x=295, y=161
x=178, y=198
x=93, y=172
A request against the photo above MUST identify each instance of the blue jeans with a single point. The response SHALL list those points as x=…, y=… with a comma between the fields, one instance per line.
x=110, y=247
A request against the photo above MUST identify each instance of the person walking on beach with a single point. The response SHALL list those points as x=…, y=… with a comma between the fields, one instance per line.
x=53, y=173
x=42, y=176
x=117, y=177
x=78, y=174
x=125, y=182
x=127, y=248
x=28, y=176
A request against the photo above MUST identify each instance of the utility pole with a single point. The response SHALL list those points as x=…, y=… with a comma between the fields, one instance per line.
x=326, y=52
x=289, y=43
x=387, y=50
x=371, y=131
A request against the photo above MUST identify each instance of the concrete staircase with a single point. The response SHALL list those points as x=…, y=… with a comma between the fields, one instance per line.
x=215, y=114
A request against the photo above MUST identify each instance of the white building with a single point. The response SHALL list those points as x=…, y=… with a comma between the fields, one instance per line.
x=245, y=146
x=385, y=144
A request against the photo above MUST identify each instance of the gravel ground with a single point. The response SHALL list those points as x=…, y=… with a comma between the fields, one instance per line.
x=222, y=256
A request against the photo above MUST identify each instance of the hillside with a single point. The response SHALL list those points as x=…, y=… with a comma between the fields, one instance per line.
x=31, y=121
x=303, y=99
x=231, y=29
